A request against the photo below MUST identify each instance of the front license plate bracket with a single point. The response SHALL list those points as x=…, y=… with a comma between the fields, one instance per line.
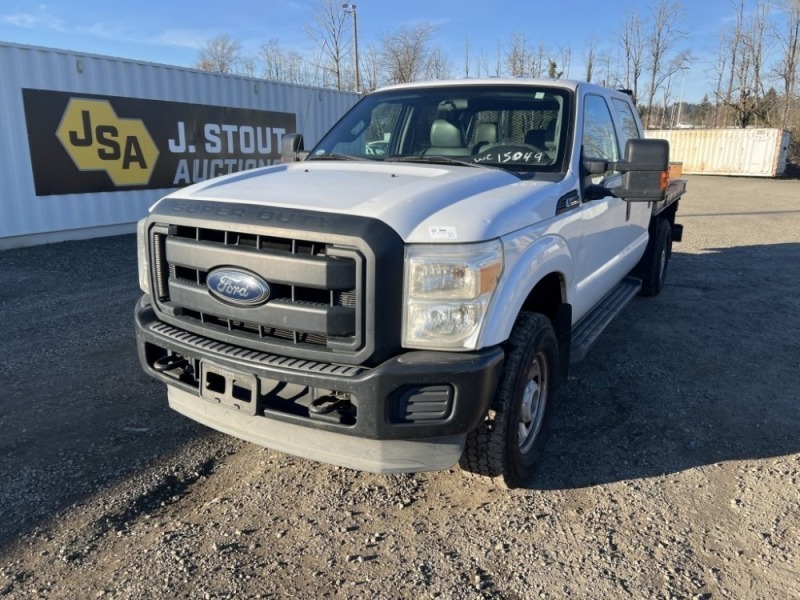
x=231, y=388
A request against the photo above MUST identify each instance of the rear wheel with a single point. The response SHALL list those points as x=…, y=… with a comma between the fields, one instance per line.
x=652, y=269
x=507, y=445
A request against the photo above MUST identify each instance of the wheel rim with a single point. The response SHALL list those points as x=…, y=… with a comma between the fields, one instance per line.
x=534, y=400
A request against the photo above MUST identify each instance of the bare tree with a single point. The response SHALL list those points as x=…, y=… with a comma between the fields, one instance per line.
x=522, y=61
x=328, y=31
x=788, y=37
x=480, y=64
x=662, y=39
x=536, y=62
x=248, y=66
x=744, y=43
x=608, y=66
x=406, y=52
x=667, y=103
x=756, y=43
x=438, y=65
x=632, y=41
x=730, y=55
x=221, y=54
x=721, y=68
x=481, y=61
x=558, y=65
x=735, y=39
x=480, y=68
x=273, y=61
x=590, y=56
x=371, y=68
x=467, y=48
x=518, y=57
x=278, y=64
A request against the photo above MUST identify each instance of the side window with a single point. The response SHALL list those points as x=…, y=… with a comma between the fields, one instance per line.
x=599, y=137
x=630, y=131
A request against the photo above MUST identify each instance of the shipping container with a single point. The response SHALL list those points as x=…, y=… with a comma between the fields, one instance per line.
x=748, y=152
x=88, y=143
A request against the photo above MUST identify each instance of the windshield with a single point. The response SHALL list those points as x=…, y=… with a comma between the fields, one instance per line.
x=520, y=128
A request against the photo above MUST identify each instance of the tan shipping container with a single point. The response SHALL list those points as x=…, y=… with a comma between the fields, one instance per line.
x=746, y=152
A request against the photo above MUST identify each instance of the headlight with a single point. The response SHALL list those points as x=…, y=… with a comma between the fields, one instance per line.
x=141, y=255
x=447, y=291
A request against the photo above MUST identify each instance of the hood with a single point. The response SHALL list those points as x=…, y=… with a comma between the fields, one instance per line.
x=422, y=203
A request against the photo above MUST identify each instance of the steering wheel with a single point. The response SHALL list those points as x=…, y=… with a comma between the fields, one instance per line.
x=511, y=153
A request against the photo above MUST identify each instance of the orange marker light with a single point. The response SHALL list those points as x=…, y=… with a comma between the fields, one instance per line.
x=664, y=180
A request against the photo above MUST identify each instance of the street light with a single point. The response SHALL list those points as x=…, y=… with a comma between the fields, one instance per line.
x=351, y=9
x=680, y=100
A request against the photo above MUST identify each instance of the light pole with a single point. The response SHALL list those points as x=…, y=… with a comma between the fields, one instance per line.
x=680, y=100
x=351, y=9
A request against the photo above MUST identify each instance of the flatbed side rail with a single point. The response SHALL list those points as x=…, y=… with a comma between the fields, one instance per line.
x=676, y=189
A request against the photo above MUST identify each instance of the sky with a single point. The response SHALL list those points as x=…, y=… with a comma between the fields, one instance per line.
x=172, y=32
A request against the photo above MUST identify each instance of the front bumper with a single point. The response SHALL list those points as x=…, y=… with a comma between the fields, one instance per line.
x=410, y=413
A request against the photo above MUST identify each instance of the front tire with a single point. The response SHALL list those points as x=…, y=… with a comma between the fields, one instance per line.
x=507, y=445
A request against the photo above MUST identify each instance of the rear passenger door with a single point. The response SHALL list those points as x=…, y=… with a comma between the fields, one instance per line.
x=630, y=128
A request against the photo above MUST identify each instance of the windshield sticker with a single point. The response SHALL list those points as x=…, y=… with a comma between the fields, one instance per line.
x=442, y=232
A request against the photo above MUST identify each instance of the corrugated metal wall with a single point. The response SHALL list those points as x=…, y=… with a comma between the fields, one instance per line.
x=750, y=152
x=22, y=213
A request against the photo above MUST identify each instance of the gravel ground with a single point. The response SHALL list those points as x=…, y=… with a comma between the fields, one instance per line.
x=672, y=471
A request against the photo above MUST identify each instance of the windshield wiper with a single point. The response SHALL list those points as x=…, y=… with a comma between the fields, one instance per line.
x=333, y=157
x=435, y=159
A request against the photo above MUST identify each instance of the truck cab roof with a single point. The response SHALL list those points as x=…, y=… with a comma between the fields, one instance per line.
x=566, y=84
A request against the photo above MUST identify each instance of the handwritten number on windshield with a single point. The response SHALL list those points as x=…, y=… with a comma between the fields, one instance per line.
x=508, y=157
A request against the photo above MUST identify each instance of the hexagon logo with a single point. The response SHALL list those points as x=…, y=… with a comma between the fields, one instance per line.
x=96, y=139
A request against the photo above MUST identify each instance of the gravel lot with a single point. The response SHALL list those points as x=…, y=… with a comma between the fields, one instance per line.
x=673, y=470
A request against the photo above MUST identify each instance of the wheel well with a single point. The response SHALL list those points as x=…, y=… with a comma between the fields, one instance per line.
x=547, y=296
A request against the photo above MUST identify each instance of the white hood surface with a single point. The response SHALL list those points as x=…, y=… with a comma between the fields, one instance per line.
x=423, y=203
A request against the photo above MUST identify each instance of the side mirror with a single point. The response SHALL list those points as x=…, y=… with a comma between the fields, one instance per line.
x=594, y=166
x=292, y=148
x=645, y=171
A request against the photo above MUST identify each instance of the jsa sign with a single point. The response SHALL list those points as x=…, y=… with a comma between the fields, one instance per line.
x=86, y=143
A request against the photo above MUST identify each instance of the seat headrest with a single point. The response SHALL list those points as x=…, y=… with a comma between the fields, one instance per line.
x=540, y=137
x=536, y=137
x=486, y=132
x=445, y=135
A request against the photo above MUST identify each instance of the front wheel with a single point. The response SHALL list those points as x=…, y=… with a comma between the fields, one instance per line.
x=507, y=445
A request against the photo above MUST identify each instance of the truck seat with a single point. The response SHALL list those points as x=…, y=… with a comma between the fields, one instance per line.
x=543, y=139
x=485, y=134
x=446, y=139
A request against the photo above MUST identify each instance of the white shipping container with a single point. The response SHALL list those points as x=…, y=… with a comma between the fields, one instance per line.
x=54, y=183
x=748, y=152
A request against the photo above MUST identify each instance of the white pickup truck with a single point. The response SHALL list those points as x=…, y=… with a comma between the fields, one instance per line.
x=409, y=293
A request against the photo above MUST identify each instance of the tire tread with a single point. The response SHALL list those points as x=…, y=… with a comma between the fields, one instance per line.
x=485, y=453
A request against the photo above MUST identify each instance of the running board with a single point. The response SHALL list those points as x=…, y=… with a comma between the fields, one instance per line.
x=592, y=325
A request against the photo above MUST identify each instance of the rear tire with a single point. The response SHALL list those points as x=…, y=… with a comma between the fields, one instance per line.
x=652, y=268
x=507, y=445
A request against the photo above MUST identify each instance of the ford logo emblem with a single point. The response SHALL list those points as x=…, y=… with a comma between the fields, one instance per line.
x=237, y=286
